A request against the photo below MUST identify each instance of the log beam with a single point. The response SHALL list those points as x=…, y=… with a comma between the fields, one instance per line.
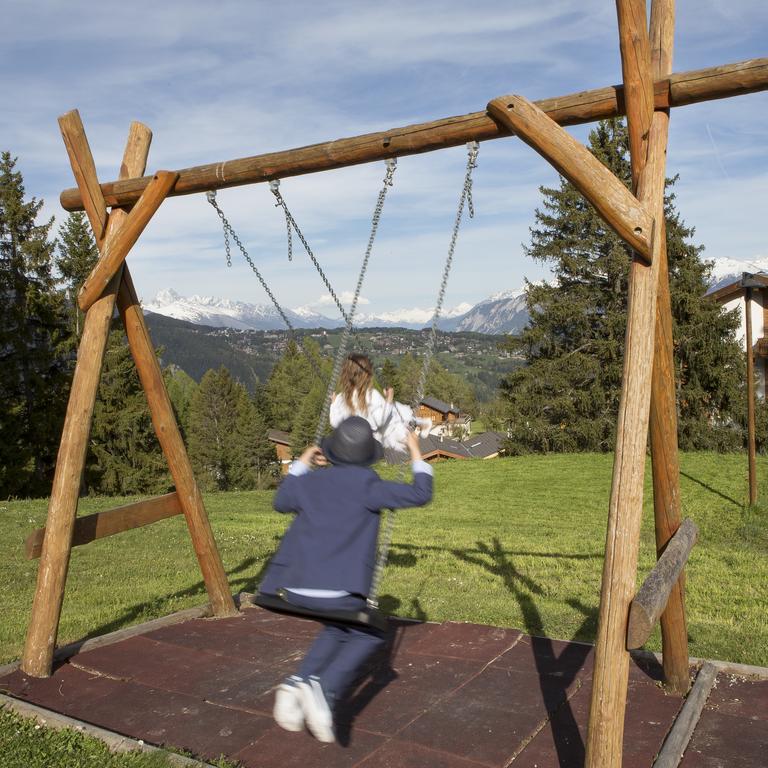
x=610, y=679
x=114, y=255
x=619, y=208
x=164, y=422
x=101, y=524
x=573, y=109
x=62, y=506
x=652, y=597
x=665, y=459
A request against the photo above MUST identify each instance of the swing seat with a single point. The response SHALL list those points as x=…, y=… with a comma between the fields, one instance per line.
x=368, y=617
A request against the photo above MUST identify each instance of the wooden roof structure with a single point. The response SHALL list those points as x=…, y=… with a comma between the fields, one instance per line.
x=649, y=92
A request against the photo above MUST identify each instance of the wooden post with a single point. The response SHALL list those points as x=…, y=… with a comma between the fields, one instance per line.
x=612, y=200
x=665, y=459
x=583, y=107
x=62, y=507
x=172, y=444
x=609, y=688
x=750, y=398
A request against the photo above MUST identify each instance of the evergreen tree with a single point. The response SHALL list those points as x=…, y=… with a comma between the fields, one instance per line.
x=254, y=461
x=440, y=383
x=78, y=255
x=32, y=342
x=567, y=396
x=125, y=457
x=181, y=387
x=212, y=427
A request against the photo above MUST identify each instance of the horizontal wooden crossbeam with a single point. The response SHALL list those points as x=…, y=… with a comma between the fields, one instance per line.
x=101, y=524
x=651, y=599
x=584, y=107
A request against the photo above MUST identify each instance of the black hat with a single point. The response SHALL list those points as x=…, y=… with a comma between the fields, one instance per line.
x=352, y=442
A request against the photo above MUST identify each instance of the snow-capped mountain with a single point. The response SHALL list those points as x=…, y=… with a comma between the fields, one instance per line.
x=224, y=313
x=727, y=270
x=504, y=312
x=218, y=313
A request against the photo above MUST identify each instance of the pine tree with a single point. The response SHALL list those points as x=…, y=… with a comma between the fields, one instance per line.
x=78, y=255
x=181, y=387
x=213, y=430
x=32, y=342
x=125, y=456
x=566, y=398
x=254, y=462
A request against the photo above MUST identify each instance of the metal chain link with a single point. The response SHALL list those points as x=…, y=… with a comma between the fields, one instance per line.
x=338, y=361
x=465, y=199
x=274, y=186
x=291, y=222
x=230, y=232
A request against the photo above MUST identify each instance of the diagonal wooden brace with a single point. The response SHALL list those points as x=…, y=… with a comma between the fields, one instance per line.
x=115, y=252
x=84, y=169
x=621, y=210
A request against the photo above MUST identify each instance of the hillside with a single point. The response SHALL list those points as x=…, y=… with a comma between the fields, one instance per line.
x=250, y=355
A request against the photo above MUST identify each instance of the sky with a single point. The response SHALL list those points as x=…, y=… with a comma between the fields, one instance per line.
x=219, y=81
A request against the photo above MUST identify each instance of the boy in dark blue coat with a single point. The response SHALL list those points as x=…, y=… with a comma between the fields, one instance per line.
x=326, y=559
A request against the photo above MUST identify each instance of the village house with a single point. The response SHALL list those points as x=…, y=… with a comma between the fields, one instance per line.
x=447, y=421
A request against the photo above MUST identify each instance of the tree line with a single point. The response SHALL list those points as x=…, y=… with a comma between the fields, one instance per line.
x=565, y=397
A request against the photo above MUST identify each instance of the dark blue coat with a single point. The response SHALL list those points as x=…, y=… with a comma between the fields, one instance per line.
x=332, y=542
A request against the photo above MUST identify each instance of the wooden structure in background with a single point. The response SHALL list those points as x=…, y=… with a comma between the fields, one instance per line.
x=751, y=289
x=647, y=402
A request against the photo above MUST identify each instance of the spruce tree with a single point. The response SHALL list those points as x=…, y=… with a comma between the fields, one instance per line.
x=78, y=255
x=213, y=421
x=32, y=342
x=254, y=462
x=566, y=397
x=125, y=456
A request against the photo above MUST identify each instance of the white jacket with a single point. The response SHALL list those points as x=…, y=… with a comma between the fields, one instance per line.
x=389, y=421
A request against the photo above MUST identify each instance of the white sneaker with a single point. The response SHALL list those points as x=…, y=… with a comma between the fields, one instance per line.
x=288, y=713
x=317, y=713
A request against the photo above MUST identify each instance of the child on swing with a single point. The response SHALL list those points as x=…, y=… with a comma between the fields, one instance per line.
x=326, y=561
x=390, y=421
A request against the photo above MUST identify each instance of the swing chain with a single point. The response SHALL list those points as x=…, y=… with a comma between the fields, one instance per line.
x=391, y=164
x=465, y=199
x=274, y=186
x=230, y=232
x=291, y=223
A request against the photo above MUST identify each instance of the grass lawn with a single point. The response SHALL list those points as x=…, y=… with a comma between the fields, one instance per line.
x=513, y=542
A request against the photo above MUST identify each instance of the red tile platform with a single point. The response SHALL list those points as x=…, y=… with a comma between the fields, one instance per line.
x=450, y=695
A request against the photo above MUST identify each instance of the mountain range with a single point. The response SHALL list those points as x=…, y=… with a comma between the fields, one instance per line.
x=501, y=313
x=504, y=312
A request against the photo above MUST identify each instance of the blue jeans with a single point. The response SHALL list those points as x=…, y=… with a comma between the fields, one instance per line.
x=339, y=652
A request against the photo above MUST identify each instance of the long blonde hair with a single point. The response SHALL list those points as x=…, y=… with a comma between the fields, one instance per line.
x=356, y=377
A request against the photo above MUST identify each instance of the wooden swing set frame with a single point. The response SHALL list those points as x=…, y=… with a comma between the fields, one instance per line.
x=648, y=92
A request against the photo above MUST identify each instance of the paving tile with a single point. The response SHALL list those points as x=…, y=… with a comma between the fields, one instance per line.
x=176, y=668
x=737, y=696
x=649, y=716
x=68, y=691
x=490, y=717
x=399, y=754
x=235, y=638
x=549, y=657
x=390, y=699
x=279, y=624
x=726, y=741
x=466, y=641
x=277, y=748
x=174, y=719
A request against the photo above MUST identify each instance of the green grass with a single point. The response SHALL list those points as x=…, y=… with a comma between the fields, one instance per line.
x=512, y=542
x=26, y=744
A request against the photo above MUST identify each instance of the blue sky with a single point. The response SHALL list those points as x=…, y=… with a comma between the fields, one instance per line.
x=216, y=81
